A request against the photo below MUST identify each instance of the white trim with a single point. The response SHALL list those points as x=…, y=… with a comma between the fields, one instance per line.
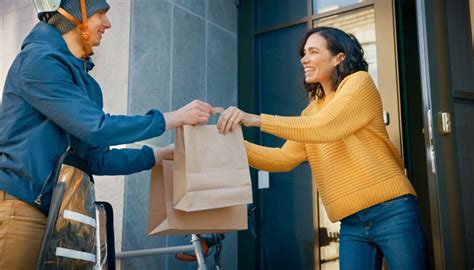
x=74, y=254
x=79, y=218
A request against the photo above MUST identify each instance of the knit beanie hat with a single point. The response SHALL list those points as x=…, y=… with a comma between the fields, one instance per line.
x=74, y=8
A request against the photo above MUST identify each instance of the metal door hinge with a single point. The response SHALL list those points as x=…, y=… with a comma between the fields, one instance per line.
x=431, y=146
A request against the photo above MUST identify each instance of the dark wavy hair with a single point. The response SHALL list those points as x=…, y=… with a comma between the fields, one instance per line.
x=337, y=41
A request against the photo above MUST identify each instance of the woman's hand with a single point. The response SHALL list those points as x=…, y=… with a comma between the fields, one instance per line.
x=233, y=116
x=163, y=153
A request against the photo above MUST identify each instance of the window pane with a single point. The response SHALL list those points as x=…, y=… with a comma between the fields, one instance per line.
x=286, y=221
x=320, y=6
x=362, y=25
x=270, y=12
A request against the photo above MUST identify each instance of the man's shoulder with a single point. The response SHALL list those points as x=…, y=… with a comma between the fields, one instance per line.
x=40, y=51
x=37, y=57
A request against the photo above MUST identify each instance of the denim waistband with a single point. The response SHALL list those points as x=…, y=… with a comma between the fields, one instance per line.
x=407, y=196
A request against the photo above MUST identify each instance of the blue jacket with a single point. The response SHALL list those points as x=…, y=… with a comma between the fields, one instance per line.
x=50, y=102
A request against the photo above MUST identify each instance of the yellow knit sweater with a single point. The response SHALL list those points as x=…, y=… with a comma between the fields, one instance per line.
x=344, y=139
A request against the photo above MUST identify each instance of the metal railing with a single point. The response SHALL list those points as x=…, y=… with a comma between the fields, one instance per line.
x=195, y=246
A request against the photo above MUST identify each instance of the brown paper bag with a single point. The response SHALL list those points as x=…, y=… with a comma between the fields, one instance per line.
x=211, y=169
x=163, y=219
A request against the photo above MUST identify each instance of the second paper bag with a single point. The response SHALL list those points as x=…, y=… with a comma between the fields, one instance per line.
x=211, y=169
x=163, y=219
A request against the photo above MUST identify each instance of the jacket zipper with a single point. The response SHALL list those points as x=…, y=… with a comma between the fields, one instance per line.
x=46, y=182
x=38, y=199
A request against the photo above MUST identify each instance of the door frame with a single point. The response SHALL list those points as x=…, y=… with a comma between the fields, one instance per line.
x=387, y=70
x=446, y=210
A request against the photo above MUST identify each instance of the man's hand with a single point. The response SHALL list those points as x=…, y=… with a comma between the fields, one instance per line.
x=193, y=113
x=233, y=116
x=163, y=153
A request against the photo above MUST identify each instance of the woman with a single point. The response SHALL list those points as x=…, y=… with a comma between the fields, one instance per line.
x=358, y=171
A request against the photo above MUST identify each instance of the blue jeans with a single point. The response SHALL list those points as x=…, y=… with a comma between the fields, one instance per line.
x=391, y=229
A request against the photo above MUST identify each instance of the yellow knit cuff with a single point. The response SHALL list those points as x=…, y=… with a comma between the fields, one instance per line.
x=268, y=123
x=247, y=145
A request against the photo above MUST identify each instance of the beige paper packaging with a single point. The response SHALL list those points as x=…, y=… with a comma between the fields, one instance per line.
x=211, y=169
x=163, y=219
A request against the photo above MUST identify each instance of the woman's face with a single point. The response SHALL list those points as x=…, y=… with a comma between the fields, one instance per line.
x=318, y=62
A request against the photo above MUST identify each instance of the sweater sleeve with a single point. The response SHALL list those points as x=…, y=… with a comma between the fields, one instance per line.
x=274, y=159
x=354, y=106
x=48, y=86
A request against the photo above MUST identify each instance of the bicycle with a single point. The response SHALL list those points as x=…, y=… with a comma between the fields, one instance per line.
x=211, y=244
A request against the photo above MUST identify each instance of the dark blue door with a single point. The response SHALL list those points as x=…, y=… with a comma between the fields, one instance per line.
x=286, y=212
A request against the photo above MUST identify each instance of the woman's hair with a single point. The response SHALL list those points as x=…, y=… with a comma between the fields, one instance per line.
x=337, y=41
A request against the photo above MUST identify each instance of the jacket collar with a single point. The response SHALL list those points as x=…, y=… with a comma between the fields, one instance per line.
x=44, y=33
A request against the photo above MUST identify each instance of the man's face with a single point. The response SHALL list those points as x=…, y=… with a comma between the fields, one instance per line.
x=97, y=24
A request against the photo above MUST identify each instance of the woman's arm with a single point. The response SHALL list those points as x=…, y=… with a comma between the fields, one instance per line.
x=356, y=104
x=274, y=159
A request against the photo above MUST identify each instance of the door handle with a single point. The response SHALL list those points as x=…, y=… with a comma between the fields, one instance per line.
x=386, y=118
x=444, y=123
